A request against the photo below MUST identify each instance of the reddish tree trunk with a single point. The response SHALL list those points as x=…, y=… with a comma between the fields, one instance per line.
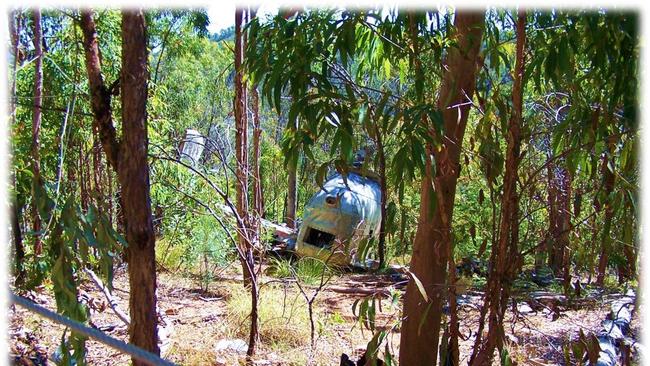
x=241, y=139
x=98, y=192
x=505, y=257
x=100, y=96
x=83, y=183
x=133, y=173
x=129, y=159
x=421, y=325
x=559, y=216
x=109, y=194
x=609, y=179
x=36, y=122
x=241, y=185
x=258, y=210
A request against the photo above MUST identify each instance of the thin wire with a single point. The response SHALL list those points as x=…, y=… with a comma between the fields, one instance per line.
x=137, y=352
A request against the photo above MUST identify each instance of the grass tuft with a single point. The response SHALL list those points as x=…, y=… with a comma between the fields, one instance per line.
x=283, y=318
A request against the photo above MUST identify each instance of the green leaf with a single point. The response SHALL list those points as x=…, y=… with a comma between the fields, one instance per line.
x=321, y=174
x=505, y=357
x=388, y=357
x=419, y=285
x=373, y=347
x=386, y=67
x=550, y=64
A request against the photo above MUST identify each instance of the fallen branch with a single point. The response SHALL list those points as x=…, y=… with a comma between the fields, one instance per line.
x=360, y=290
x=109, y=297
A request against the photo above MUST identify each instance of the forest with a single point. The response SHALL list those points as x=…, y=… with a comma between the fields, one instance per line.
x=324, y=186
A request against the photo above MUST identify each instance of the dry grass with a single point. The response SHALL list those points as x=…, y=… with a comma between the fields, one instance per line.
x=201, y=319
x=283, y=318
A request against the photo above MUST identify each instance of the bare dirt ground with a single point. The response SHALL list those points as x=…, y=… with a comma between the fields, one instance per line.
x=202, y=327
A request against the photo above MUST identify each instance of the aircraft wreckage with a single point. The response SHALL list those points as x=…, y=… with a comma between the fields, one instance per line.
x=339, y=221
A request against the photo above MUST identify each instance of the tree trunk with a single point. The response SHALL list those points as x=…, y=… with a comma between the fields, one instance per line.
x=608, y=182
x=292, y=190
x=559, y=192
x=36, y=123
x=384, y=198
x=133, y=172
x=565, y=207
x=255, y=162
x=505, y=256
x=129, y=159
x=15, y=26
x=100, y=96
x=19, y=259
x=98, y=191
x=244, y=233
x=83, y=184
x=421, y=325
x=241, y=141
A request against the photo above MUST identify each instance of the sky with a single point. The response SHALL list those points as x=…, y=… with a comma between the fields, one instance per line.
x=222, y=14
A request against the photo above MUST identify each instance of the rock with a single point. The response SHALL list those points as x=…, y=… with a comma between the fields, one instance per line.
x=237, y=345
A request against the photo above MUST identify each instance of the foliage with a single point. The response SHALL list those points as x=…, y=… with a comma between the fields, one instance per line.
x=333, y=82
x=75, y=240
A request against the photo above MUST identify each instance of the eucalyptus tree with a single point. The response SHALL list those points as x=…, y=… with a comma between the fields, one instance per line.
x=244, y=234
x=15, y=21
x=36, y=122
x=592, y=58
x=128, y=157
x=309, y=57
x=505, y=260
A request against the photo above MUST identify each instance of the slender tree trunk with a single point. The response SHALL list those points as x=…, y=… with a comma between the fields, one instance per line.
x=36, y=122
x=83, y=184
x=241, y=146
x=555, y=253
x=505, y=256
x=129, y=159
x=384, y=198
x=19, y=258
x=421, y=324
x=15, y=26
x=605, y=243
x=97, y=171
x=100, y=96
x=566, y=230
x=110, y=197
x=292, y=190
x=241, y=185
x=133, y=172
x=255, y=162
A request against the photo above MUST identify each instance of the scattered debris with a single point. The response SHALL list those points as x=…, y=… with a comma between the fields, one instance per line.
x=236, y=345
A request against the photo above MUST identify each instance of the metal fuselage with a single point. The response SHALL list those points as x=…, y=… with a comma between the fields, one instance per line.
x=338, y=218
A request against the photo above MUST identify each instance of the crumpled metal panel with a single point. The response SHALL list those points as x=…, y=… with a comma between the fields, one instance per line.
x=192, y=146
x=350, y=212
